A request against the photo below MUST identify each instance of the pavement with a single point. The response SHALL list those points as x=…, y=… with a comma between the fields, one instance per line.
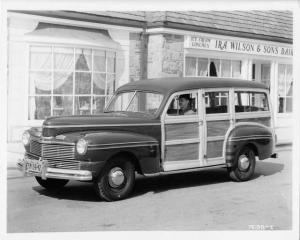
x=15, y=151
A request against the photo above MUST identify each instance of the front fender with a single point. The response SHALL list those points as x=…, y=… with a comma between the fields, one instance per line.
x=257, y=135
x=103, y=145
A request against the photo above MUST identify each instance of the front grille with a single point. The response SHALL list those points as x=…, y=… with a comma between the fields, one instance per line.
x=57, y=155
x=36, y=148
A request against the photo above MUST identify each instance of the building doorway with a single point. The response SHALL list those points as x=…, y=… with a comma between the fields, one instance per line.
x=261, y=72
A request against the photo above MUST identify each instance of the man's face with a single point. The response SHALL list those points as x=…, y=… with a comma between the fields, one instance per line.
x=183, y=103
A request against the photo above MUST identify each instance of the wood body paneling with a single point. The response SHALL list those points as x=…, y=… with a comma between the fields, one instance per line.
x=182, y=131
x=182, y=152
x=214, y=149
x=217, y=128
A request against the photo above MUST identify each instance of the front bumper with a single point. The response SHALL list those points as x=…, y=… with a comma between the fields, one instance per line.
x=58, y=173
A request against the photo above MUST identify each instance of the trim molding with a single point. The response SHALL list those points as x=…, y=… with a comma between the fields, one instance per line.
x=88, y=22
x=124, y=143
x=123, y=146
x=104, y=125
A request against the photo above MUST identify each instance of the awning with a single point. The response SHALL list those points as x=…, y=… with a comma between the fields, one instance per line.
x=62, y=34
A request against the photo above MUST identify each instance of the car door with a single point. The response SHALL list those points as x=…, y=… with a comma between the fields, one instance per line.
x=218, y=119
x=182, y=133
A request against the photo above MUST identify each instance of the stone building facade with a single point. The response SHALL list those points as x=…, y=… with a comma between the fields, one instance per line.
x=75, y=70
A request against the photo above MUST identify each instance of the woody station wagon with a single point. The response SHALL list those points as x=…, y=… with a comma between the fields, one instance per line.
x=144, y=129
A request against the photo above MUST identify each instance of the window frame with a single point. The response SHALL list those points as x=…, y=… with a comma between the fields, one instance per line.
x=181, y=118
x=135, y=91
x=250, y=99
x=284, y=113
x=218, y=90
x=197, y=57
x=52, y=70
x=242, y=115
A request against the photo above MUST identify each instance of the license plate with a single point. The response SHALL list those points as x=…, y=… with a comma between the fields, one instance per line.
x=33, y=166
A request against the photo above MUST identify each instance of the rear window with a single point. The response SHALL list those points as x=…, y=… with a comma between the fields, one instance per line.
x=251, y=102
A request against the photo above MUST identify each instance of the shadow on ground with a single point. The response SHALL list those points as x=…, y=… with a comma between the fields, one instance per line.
x=81, y=191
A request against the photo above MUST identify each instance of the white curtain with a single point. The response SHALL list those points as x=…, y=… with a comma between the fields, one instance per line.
x=281, y=80
x=226, y=68
x=40, y=60
x=43, y=79
x=190, y=66
x=202, y=67
x=40, y=80
x=62, y=62
x=289, y=80
x=99, y=80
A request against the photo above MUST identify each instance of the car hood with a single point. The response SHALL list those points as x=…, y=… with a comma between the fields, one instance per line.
x=107, y=121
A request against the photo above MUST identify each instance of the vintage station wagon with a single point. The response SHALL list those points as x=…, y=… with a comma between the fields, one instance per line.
x=155, y=127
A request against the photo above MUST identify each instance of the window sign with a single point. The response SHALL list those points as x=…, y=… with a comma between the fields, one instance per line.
x=237, y=46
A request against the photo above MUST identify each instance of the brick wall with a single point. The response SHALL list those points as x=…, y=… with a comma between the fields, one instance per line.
x=172, y=63
x=137, y=53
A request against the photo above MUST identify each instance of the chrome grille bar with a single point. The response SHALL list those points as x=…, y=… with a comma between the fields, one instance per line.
x=57, y=155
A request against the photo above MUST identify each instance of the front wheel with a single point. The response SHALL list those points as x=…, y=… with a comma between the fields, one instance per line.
x=244, y=165
x=116, y=181
x=51, y=183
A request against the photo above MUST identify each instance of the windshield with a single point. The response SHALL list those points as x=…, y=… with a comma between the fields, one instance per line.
x=135, y=101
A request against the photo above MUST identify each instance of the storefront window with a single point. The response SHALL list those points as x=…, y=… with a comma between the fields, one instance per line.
x=204, y=67
x=67, y=81
x=285, y=88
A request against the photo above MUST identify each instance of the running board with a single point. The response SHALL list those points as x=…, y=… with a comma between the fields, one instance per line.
x=186, y=170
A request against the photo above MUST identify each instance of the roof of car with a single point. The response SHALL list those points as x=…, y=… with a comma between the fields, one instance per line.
x=170, y=85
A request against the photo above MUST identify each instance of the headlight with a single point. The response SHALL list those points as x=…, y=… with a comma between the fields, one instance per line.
x=81, y=146
x=26, y=138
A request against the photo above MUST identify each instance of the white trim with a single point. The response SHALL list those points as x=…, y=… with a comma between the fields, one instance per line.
x=202, y=127
x=246, y=115
x=215, y=138
x=182, y=141
x=181, y=119
x=72, y=22
x=179, y=165
x=215, y=161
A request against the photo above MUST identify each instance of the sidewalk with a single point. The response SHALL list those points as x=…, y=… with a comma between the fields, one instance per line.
x=15, y=151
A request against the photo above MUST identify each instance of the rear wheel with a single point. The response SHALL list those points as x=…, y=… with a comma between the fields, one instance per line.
x=244, y=165
x=52, y=183
x=116, y=181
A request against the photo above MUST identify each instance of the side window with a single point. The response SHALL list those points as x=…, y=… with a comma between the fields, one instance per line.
x=251, y=102
x=183, y=104
x=216, y=102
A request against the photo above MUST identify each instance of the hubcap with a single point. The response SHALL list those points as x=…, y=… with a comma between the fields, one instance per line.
x=116, y=177
x=244, y=162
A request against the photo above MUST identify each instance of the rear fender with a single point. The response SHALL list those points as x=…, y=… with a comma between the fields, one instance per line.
x=260, y=137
